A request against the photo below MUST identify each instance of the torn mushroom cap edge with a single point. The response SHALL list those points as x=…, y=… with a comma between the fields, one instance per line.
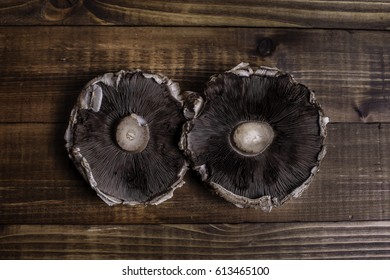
x=90, y=98
x=265, y=203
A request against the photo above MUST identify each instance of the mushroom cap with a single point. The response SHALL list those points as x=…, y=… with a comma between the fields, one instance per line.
x=257, y=138
x=123, y=134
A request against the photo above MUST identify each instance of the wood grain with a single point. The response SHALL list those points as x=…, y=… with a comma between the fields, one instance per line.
x=39, y=184
x=248, y=13
x=43, y=70
x=50, y=48
x=346, y=240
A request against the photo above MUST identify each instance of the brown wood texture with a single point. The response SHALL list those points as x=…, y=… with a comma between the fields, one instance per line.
x=44, y=68
x=249, y=13
x=48, y=211
x=348, y=240
x=40, y=185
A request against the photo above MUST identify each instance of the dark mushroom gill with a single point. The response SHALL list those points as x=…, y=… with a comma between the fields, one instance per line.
x=285, y=105
x=132, y=176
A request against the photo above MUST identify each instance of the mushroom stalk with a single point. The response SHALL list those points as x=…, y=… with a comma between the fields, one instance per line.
x=132, y=134
x=252, y=138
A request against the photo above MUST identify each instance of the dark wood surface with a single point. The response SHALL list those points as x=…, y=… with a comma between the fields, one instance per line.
x=356, y=14
x=363, y=240
x=48, y=211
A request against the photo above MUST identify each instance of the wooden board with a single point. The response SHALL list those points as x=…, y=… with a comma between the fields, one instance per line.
x=40, y=184
x=44, y=68
x=276, y=13
x=50, y=48
x=362, y=240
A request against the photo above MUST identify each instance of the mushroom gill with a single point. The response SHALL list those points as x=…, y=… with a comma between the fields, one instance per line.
x=258, y=137
x=123, y=134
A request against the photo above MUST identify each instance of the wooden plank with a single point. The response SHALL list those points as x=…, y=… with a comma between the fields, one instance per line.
x=249, y=13
x=347, y=240
x=44, y=68
x=38, y=184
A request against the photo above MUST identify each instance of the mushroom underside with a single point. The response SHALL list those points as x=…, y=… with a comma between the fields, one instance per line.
x=130, y=143
x=280, y=149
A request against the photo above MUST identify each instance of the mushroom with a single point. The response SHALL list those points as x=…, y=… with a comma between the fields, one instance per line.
x=255, y=137
x=123, y=134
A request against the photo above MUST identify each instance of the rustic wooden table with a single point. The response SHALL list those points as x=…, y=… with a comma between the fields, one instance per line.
x=50, y=49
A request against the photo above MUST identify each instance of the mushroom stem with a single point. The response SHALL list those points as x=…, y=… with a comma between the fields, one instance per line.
x=132, y=134
x=251, y=138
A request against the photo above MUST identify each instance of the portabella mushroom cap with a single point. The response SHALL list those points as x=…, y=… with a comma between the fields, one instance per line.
x=256, y=137
x=122, y=136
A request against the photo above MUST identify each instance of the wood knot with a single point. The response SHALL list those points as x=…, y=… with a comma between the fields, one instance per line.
x=63, y=4
x=265, y=47
x=57, y=10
